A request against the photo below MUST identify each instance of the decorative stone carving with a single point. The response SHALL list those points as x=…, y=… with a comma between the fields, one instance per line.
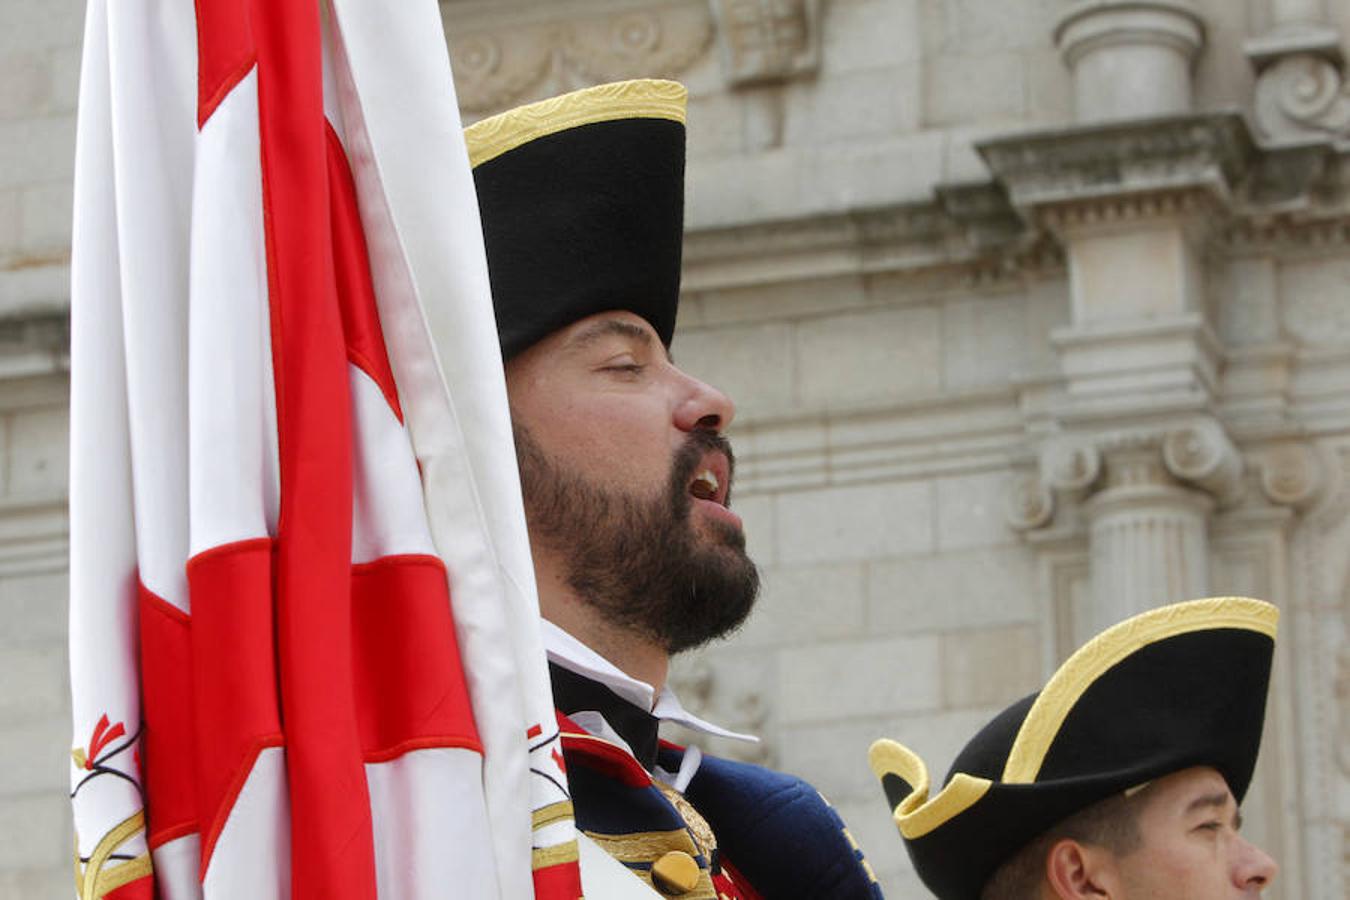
x=1303, y=96
x=501, y=64
x=767, y=40
x=1204, y=456
x=1291, y=475
x=1130, y=58
x=1028, y=503
x=1301, y=89
x=492, y=71
x=638, y=43
x=1074, y=468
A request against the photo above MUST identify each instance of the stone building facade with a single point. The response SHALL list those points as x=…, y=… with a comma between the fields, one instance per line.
x=1037, y=314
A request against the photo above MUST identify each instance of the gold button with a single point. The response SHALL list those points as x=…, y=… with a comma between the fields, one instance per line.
x=675, y=873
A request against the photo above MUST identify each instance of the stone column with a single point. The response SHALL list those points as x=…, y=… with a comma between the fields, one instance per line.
x=1148, y=525
x=1130, y=58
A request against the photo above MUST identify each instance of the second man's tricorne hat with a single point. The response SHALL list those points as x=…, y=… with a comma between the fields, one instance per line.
x=582, y=202
x=1176, y=687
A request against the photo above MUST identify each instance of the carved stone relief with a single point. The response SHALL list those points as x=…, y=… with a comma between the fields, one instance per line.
x=1303, y=96
x=499, y=66
x=1301, y=90
x=767, y=40
x=522, y=53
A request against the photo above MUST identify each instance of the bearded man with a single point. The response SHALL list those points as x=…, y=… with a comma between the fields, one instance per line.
x=626, y=476
x=1119, y=780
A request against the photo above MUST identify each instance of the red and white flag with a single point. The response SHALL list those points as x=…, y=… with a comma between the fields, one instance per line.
x=305, y=653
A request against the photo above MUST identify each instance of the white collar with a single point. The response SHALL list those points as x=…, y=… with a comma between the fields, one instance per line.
x=566, y=651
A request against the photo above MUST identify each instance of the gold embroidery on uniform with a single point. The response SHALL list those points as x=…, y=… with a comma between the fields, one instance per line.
x=638, y=99
x=644, y=846
x=704, y=838
x=558, y=854
x=554, y=812
x=93, y=881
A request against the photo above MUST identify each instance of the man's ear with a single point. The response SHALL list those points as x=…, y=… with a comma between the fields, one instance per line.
x=1075, y=871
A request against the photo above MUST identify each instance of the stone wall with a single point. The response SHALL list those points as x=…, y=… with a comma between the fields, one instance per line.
x=39, y=71
x=970, y=298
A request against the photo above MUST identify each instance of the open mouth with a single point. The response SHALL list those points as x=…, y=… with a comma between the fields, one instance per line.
x=712, y=479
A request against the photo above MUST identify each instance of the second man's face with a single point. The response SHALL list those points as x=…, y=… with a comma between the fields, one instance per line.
x=1192, y=847
x=627, y=477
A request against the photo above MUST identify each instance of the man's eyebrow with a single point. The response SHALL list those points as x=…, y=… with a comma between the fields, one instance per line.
x=1217, y=799
x=605, y=328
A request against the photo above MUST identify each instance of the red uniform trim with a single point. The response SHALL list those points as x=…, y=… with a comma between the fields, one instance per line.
x=601, y=755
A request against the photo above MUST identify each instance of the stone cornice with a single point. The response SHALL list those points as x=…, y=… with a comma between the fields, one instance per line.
x=967, y=236
x=1211, y=151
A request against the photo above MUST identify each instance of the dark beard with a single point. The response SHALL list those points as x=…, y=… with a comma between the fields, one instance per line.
x=639, y=561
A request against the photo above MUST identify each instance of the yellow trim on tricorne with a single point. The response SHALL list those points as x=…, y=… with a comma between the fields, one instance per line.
x=916, y=815
x=93, y=881
x=640, y=99
x=886, y=757
x=960, y=794
x=1097, y=656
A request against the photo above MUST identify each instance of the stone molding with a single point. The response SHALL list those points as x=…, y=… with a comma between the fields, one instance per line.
x=924, y=438
x=34, y=535
x=1090, y=25
x=34, y=343
x=1159, y=156
x=966, y=237
x=1130, y=58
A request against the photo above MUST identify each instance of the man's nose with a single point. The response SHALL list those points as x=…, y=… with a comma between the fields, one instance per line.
x=1255, y=867
x=703, y=406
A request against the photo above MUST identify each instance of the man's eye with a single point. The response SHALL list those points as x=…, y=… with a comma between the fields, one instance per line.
x=626, y=368
x=1210, y=826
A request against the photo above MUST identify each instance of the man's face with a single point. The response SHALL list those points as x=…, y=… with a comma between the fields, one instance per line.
x=1191, y=845
x=626, y=478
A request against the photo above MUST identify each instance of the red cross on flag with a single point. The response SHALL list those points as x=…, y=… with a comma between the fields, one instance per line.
x=305, y=652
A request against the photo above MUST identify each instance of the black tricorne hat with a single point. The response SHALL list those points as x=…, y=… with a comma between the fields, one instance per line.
x=582, y=202
x=1178, y=686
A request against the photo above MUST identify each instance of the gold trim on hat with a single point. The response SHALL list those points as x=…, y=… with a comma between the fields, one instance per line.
x=1097, y=656
x=639, y=99
x=916, y=815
